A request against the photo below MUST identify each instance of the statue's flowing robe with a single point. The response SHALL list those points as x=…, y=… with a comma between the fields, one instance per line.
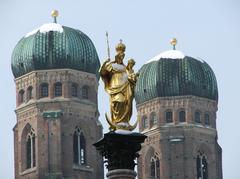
x=119, y=88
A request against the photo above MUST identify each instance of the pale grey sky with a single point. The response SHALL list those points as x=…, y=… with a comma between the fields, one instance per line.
x=208, y=29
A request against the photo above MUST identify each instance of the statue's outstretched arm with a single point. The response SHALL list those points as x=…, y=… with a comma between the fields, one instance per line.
x=104, y=67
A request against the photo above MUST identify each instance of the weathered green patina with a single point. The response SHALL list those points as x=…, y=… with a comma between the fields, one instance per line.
x=52, y=114
x=55, y=50
x=176, y=77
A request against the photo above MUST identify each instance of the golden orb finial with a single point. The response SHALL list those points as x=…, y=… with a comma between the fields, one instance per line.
x=173, y=42
x=54, y=14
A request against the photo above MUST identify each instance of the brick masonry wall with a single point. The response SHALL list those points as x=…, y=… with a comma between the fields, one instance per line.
x=54, y=136
x=177, y=144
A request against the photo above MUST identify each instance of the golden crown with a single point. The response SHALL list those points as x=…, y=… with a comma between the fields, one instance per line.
x=120, y=47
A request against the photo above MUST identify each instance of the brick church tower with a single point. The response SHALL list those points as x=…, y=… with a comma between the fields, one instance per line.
x=177, y=100
x=56, y=76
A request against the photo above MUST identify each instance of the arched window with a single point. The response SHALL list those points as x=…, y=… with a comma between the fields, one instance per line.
x=155, y=168
x=30, y=150
x=197, y=117
x=207, y=119
x=202, y=166
x=153, y=119
x=79, y=147
x=85, y=92
x=29, y=92
x=44, y=90
x=169, y=117
x=58, y=89
x=74, y=90
x=145, y=122
x=21, y=96
x=182, y=116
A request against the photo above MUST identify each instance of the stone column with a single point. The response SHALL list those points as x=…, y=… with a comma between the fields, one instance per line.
x=54, y=149
x=65, y=89
x=51, y=90
x=120, y=149
x=121, y=174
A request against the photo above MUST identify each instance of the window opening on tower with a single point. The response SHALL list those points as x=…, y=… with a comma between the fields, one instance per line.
x=58, y=89
x=169, y=116
x=182, y=116
x=44, y=90
x=30, y=150
x=202, y=166
x=155, y=168
x=79, y=147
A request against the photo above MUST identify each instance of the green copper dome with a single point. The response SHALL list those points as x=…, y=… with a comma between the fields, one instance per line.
x=173, y=74
x=53, y=46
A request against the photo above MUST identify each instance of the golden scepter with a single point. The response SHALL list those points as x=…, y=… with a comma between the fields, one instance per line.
x=108, y=49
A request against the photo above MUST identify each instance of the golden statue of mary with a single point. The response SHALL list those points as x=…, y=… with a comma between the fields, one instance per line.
x=119, y=81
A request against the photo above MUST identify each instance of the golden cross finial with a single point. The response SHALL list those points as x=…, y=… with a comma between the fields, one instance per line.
x=54, y=14
x=173, y=42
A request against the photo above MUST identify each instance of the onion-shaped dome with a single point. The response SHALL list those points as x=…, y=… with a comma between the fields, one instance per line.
x=171, y=73
x=53, y=46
